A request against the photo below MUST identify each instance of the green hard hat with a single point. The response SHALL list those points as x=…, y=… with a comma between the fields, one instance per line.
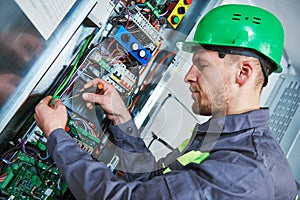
x=245, y=26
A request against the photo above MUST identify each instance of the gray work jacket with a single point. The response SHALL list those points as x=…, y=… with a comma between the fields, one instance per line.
x=245, y=162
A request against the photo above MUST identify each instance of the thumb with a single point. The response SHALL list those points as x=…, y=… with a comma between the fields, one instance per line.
x=92, y=97
x=58, y=104
x=47, y=100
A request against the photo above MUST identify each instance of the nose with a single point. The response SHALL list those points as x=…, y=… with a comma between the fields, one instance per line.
x=191, y=75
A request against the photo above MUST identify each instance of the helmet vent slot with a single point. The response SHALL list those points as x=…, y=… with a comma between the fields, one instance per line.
x=256, y=20
x=236, y=16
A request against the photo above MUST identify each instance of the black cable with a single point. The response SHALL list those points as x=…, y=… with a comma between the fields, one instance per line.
x=3, y=194
x=38, y=172
x=155, y=137
x=150, y=142
x=15, y=148
x=33, y=150
x=48, y=168
x=10, y=150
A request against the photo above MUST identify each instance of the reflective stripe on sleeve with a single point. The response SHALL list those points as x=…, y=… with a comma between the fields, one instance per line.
x=193, y=156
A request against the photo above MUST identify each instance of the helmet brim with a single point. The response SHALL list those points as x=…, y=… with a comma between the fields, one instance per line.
x=188, y=46
x=192, y=46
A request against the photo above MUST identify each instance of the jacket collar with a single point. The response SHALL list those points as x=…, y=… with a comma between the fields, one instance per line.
x=235, y=123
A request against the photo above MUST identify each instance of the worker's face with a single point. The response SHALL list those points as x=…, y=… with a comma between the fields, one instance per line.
x=210, y=83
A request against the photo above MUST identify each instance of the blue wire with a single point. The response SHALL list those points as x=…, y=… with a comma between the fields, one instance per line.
x=47, y=156
x=141, y=5
x=6, y=161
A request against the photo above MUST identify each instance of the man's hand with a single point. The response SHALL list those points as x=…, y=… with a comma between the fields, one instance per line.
x=110, y=101
x=49, y=118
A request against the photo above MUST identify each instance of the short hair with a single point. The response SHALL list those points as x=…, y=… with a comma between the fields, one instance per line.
x=267, y=66
x=259, y=74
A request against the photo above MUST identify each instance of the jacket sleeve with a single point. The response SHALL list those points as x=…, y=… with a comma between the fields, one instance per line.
x=132, y=149
x=88, y=179
x=216, y=178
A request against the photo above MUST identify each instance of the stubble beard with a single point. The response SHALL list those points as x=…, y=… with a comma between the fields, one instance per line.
x=214, y=104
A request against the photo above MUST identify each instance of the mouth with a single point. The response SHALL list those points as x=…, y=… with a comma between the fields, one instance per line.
x=194, y=94
x=193, y=90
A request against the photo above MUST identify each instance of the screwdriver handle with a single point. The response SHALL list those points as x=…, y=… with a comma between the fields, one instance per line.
x=92, y=89
x=87, y=90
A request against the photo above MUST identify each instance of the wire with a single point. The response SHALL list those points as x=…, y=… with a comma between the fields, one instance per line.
x=172, y=53
x=163, y=14
x=47, y=156
x=183, y=106
x=38, y=171
x=155, y=137
x=59, y=181
x=130, y=102
x=48, y=168
x=128, y=13
x=24, y=149
x=89, y=38
x=6, y=162
x=83, y=123
x=73, y=80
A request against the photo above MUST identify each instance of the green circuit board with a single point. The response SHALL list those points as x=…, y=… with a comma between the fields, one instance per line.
x=21, y=180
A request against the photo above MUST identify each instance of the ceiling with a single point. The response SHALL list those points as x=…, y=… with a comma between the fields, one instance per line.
x=288, y=12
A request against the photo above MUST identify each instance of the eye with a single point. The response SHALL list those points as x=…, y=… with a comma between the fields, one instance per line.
x=201, y=66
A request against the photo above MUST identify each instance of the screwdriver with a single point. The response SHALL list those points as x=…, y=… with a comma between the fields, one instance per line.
x=88, y=90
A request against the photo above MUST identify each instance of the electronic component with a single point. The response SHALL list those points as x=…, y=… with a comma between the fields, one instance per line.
x=123, y=77
x=133, y=46
x=120, y=50
x=145, y=26
x=28, y=172
x=110, y=80
x=22, y=182
x=101, y=12
x=85, y=136
x=178, y=12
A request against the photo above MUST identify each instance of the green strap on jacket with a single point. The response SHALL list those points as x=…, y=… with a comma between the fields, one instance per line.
x=193, y=156
x=183, y=145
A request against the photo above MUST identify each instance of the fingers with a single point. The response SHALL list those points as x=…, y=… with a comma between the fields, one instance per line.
x=43, y=103
x=46, y=100
x=95, y=98
x=89, y=105
x=58, y=105
x=101, y=84
x=93, y=83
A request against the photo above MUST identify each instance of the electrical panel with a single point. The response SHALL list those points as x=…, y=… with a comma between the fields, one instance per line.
x=126, y=49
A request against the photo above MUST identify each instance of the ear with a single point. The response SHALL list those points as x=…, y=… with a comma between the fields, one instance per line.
x=245, y=72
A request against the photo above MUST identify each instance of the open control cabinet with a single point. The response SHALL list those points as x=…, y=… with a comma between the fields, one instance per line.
x=132, y=48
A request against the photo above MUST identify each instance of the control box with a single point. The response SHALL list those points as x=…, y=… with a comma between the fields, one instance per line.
x=133, y=46
x=178, y=12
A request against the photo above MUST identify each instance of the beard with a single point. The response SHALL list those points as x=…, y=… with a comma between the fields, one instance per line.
x=201, y=107
x=213, y=103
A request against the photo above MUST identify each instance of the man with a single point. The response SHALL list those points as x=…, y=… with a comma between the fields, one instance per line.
x=232, y=156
